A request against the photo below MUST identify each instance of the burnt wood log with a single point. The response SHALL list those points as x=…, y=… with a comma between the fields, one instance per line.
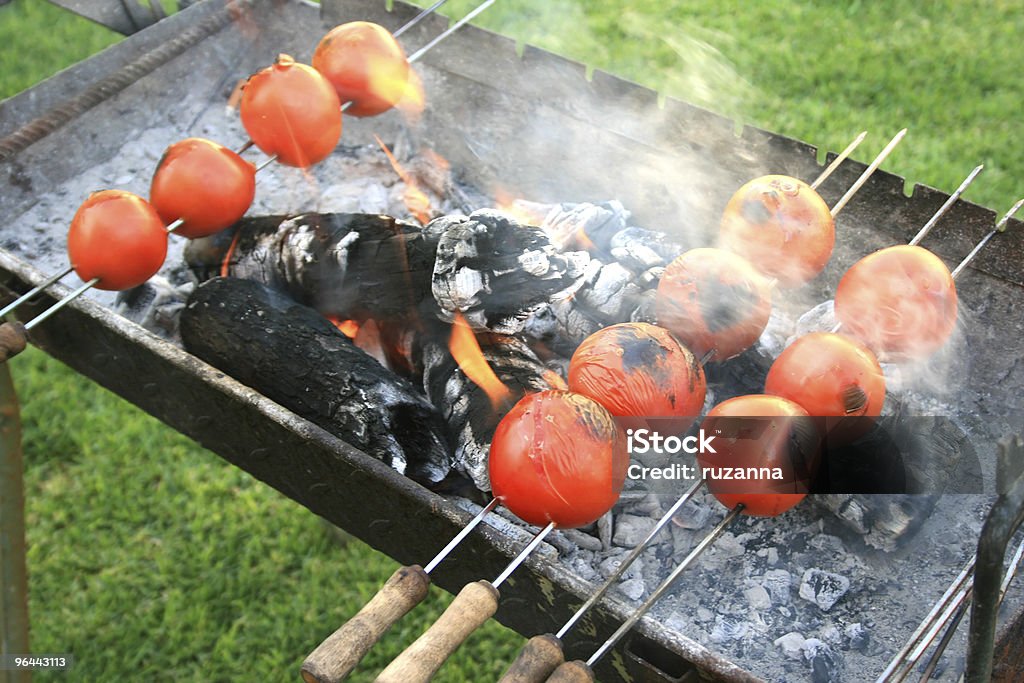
x=344, y=265
x=492, y=270
x=469, y=412
x=294, y=356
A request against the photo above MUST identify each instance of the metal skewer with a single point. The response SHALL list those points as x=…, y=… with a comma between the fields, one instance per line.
x=868, y=172
x=472, y=607
x=946, y=613
x=1000, y=227
x=947, y=637
x=830, y=169
x=543, y=653
x=942, y=210
x=177, y=223
x=946, y=206
x=575, y=671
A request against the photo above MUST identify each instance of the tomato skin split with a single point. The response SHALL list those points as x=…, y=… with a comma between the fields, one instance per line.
x=118, y=237
x=832, y=376
x=207, y=185
x=558, y=457
x=292, y=112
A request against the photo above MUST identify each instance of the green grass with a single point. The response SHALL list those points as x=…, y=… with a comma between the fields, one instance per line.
x=153, y=559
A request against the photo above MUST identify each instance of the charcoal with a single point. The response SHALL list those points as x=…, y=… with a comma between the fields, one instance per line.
x=791, y=645
x=294, y=356
x=824, y=662
x=470, y=416
x=777, y=582
x=586, y=224
x=856, y=637
x=496, y=272
x=630, y=530
x=757, y=597
x=823, y=588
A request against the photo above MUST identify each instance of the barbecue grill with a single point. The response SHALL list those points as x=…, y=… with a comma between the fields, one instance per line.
x=505, y=120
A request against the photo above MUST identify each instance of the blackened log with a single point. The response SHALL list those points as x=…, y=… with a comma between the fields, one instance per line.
x=292, y=355
x=492, y=270
x=352, y=266
x=496, y=272
x=467, y=409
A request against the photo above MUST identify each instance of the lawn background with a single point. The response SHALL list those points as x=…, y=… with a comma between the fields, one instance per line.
x=153, y=559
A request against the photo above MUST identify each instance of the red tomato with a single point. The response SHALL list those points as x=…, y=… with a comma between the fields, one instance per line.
x=782, y=226
x=204, y=183
x=900, y=300
x=760, y=431
x=291, y=111
x=713, y=299
x=119, y=238
x=833, y=376
x=558, y=457
x=638, y=370
x=366, y=66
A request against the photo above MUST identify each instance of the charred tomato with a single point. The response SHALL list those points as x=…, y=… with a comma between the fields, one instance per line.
x=760, y=431
x=558, y=457
x=782, y=226
x=638, y=370
x=832, y=376
x=712, y=299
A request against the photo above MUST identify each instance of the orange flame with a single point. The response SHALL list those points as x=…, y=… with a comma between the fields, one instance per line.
x=413, y=100
x=225, y=266
x=349, y=328
x=509, y=205
x=416, y=201
x=466, y=352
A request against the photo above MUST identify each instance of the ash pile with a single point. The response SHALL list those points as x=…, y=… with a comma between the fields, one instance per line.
x=350, y=318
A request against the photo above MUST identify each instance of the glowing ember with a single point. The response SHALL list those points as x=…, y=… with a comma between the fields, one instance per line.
x=349, y=328
x=466, y=352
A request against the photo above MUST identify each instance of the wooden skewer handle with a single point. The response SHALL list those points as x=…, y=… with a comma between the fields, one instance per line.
x=572, y=672
x=335, y=658
x=541, y=655
x=13, y=339
x=473, y=606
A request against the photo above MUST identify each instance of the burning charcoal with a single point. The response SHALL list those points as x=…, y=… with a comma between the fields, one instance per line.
x=610, y=565
x=495, y=272
x=824, y=661
x=294, y=356
x=631, y=529
x=641, y=249
x=470, y=413
x=823, y=588
x=588, y=224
